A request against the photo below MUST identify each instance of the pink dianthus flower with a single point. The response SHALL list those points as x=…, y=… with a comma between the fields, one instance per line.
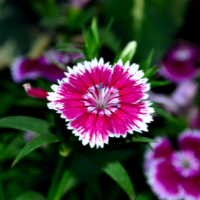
x=100, y=102
x=180, y=63
x=24, y=68
x=172, y=174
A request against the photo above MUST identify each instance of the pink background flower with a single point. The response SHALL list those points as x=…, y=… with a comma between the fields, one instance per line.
x=175, y=174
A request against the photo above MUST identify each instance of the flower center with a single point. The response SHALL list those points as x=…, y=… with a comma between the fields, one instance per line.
x=186, y=164
x=101, y=98
x=182, y=54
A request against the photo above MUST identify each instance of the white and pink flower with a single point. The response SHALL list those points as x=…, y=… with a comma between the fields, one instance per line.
x=100, y=102
x=174, y=174
x=24, y=68
x=180, y=63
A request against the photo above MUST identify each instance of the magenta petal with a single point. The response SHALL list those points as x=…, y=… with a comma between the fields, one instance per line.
x=91, y=128
x=163, y=180
x=24, y=68
x=162, y=149
x=190, y=140
x=37, y=93
x=191, y=188
x=179, y=71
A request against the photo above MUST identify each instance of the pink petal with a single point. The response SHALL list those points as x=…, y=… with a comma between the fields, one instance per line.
x=162, y=149
x=163, y=180
x=191, y=188
x=127, y=81
x=190, y=140
x=91, y=128
x=91, y=76
x=179, y=71
x=24, y=68
x=37, y=93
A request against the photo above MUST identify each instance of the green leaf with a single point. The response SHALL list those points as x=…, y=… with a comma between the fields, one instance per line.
x=159, y=83
x=26, y=123
x=69, y=50
x=166, y=115
x=7, y=101
x=149, y=146
x=35, y=143
x=91, y=38
x=146, y=64
x=94, y=28
x=128, y=52
x=142, y=139
x=152, y=71
x=31, y=195
x=73, y=175
x=111, y=167
x=107, y=31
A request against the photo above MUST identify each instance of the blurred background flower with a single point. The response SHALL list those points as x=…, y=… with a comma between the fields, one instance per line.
x=175, y=174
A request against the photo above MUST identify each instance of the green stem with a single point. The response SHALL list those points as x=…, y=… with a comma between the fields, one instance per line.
x=55, y=178
x=61, y=188
x=2, y=197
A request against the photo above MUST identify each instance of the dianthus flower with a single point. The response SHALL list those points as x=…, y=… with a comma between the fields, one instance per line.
x=101, y=102
x=180, y=63
x=24, y=68
x=172, y=174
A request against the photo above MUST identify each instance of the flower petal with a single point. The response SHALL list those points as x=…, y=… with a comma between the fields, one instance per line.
x=162, y=149
x=24, y=68
x=163, y=180
x=190, y=140
x=37, y=93
x=91, y=128
x=191, y=188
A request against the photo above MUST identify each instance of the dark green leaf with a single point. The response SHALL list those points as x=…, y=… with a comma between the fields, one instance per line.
x=152, y=71
x=107, y=31
x=166, y=115
x=94, y=28
x=142, y=139
x=74, y=175
x=31, y=195
x=35, y=143
x=149, y=146
x=69, y=50
x=26, y=123
x=111, y=167
x=159, y=83
x=7, y=101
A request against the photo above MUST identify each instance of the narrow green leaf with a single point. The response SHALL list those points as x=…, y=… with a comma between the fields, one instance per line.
x=35, y=143
x=70, y=50
x=149, y=60
x=146, y=64
x=31, y=195
x=107, y=32
x=128, y=52
x=152, y=71
x=73, y=175
x=159, y=83
x=94, y=28
x=149, y=146
x=142, y=139
x=166, y=115
x=111, y=167
x=26, y=123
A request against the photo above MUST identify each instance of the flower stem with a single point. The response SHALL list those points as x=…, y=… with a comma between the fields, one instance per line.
x=55, y=178
x=2, y=197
